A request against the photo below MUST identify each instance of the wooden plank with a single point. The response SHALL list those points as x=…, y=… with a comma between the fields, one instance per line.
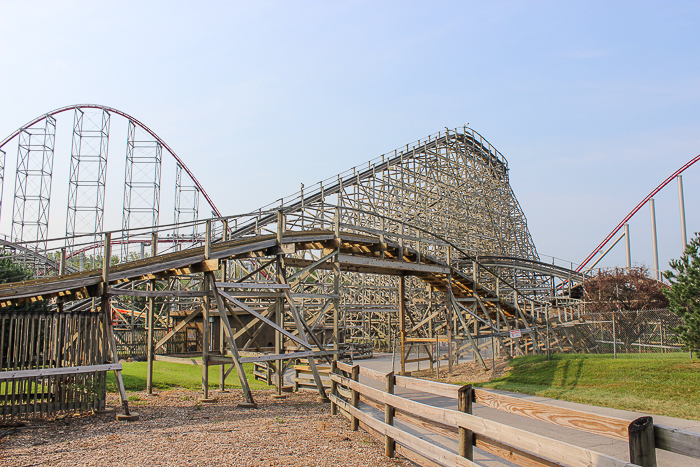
x=447, y=431
x=431, y=387
x=511, y=454
x=250, y=285
x=372, y=374
x=538, y=445
x=682, y=442
x=157, y=293
x=384, y=266
x=181, y=360
x=43, y=372
x=610, y=427
x=427, y=339
x=399, y=449
x=287, y=356
x=416, y=444
x=321, y=296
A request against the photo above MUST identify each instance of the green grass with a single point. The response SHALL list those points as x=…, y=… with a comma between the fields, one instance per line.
x=660, y=384
x=168, y=375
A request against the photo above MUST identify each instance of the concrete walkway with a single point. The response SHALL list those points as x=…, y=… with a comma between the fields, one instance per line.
x=618, y=449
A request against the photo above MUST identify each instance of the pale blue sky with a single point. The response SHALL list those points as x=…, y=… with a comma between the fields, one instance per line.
x=592, y=103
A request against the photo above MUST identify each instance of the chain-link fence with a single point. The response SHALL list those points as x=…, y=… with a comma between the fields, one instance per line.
x=640, y=331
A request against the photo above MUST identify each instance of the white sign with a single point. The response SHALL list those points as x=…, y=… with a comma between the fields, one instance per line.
x=514, y=333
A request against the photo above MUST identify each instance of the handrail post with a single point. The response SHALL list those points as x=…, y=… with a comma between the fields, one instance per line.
x=280, y=226
x=355, y=399
x=465, y=396
x=642, y=443
x=389, y=443
x=336, y=222
x=207, y=241
x=334, y=388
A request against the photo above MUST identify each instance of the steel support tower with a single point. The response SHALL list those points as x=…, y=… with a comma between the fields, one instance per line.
x=186, y=209
x=2, y=177
x=30, y=216
x=141, y=184
x=88, y=175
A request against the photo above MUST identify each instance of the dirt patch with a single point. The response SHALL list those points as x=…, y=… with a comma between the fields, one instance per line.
x=175, y=430
x=466, y=373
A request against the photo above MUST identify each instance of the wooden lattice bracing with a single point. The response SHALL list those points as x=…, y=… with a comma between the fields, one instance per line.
x=389, y=255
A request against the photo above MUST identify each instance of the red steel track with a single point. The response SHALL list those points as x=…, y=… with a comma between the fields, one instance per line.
x=125, y=115
x=634, y=211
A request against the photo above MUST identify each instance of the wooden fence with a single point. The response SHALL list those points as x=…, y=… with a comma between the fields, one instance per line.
x=51, y=363
x=512, y=444
x=133, y=343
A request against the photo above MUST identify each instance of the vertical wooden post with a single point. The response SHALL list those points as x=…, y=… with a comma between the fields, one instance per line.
x=355, y=398
x=222, y=336
x=466, y=437
x=336, y=220
x=127, y=415
x=279, y=337
x=334, y=387
x=61, y=271
x=448, y=306
x=150, y=321
x=336, y=306
x=402, y=322
x=62, y=263
x=205, y=319
x=389, y=443
x=642, y=444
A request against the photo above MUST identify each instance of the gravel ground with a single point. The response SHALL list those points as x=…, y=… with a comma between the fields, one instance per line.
x=176, y=430
x=466, y=373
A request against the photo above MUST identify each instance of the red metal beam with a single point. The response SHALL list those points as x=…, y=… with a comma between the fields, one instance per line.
x=125, y=115
x=634, y=211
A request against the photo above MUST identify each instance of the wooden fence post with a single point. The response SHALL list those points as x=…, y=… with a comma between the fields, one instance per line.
x=355, y=399
x=389, y=443
x=334, y=388
x=465, y=396
x=642, y=444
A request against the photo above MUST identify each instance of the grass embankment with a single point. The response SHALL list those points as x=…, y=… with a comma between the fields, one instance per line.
x=168, y=375
x=661, y=384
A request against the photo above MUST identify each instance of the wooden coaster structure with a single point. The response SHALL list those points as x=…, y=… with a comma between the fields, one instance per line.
x=393, y=250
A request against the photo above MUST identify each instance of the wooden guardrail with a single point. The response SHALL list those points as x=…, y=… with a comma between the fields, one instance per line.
x=262, y=372
x=304, y=377
x=513, y=444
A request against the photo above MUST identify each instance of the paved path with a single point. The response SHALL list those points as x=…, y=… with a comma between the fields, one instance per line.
x=618, y=449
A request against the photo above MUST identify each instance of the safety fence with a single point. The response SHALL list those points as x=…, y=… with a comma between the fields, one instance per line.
x=51, y=363
x=357, y=401
x=133, y=343
x=642, y=331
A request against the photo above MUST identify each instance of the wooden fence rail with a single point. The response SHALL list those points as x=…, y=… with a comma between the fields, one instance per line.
x=515, y=445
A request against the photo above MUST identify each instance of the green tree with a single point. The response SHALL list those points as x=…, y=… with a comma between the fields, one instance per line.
x=614, y=292
x=684, y=293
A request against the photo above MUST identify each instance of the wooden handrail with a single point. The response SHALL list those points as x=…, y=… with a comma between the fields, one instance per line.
x=679, y=441
x=539, y=445
x=44, y=372
x=415, y=443
x=602, y=425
